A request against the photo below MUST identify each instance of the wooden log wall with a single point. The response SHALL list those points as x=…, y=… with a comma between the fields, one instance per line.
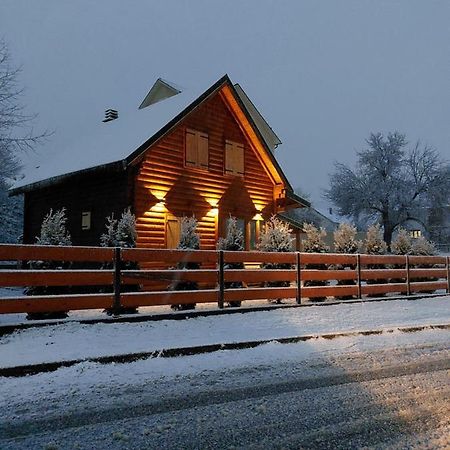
x=166, y=188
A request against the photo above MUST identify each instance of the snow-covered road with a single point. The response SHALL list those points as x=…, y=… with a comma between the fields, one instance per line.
x=73, y=340
x=382, y=391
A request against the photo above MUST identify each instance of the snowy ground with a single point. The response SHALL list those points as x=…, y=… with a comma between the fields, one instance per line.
x=73, y=340
x=382, y=391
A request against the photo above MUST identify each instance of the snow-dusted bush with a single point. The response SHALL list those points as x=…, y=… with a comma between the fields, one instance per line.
x=53, y=232
x=375, y=245
x=276, y=237
x=345, y=242
x=233, y=241
x=402, y=244
x=423, y=247
x=53, y=229
x=315, y=243
x=189, y=240
x=315, y=239
x=345, y=239
x=120, y=233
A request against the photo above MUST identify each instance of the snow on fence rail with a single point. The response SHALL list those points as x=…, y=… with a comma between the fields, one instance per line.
x=105, y=276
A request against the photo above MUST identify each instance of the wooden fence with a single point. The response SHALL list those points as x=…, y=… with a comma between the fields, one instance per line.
x=108, y=280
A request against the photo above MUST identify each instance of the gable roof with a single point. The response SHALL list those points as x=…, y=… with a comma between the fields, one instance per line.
x=109, y=145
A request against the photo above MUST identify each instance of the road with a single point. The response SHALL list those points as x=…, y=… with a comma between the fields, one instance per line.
x=394, y=395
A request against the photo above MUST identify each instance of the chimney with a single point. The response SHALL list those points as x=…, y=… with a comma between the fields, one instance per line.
x=110, y=114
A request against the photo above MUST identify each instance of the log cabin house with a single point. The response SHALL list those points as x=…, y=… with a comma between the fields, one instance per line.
x=209, y=154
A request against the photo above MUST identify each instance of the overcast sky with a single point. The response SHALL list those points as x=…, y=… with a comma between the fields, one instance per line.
x=324, y=73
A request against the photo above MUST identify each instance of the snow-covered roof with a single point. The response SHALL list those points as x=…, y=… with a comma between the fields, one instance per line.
x=105, y=143
x=102, y=144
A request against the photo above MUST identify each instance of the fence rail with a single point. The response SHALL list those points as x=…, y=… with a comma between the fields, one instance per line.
x=114, y=278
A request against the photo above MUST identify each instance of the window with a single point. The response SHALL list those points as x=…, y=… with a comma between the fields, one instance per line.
x=173, y=230
x=197, y=149
x=234, y=158
x=86, y=220
x=415, y=233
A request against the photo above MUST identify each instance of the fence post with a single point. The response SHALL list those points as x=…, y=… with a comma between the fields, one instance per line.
x=299, y=280
x=448, y=274
x=117, y=281
x=358, y=274
x=220, y=300
x=408, y=281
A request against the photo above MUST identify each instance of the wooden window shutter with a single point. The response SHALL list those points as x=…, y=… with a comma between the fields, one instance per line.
x=234, y=158
x=203, y=150
x=239, y=158
x=191, y=148
x=228, y=157
x=173, y=229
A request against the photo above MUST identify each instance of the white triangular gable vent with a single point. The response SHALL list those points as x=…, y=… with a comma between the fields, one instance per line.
x=159, y=91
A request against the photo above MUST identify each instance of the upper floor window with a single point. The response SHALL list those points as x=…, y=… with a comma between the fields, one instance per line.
x=234, y=158
x=197, y=149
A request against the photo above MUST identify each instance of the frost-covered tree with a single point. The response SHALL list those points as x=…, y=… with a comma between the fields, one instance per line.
x=189, y=240
x=53, y=232
x=276, y=237
x=16, y=135
x=345, y=242
x=53, y=229
x=120, y=233
x=233, y=241
x=390, y=185
x=315, y=243
x=402, y=244
x=375, y=245
x=345, y=239
x=423, y=247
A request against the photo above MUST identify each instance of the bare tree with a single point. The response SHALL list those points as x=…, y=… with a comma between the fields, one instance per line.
x=390, y=184
x=16, y=136
x=16, y=132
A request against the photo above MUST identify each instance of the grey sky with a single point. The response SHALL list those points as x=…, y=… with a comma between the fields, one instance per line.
x=323, y=73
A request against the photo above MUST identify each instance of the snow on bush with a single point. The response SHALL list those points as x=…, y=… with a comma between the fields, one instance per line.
x=345, y=242
x=276, y=237
x=53, y=232
x=120, y=233
x=375, y=245
x=423, y=247
x=189, y=240
x=345, y=239
x=233, y=241
x=315, y=239
x=402, y=244
x=53, y=229
x=315, y=243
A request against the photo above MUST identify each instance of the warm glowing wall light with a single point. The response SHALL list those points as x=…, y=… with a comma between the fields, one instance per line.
x=258, y=217
x=214, y=212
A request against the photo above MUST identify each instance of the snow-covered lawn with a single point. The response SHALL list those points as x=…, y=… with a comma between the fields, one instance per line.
x=73, y=340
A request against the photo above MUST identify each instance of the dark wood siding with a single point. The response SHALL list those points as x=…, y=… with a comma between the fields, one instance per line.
x=165, y=187
x=100, y=193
